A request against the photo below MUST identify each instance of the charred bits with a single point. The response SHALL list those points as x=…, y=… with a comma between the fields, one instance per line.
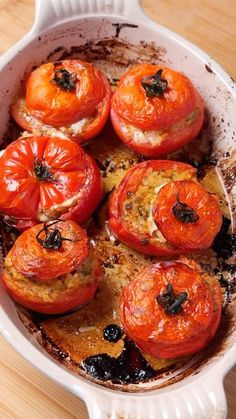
x=129, y=367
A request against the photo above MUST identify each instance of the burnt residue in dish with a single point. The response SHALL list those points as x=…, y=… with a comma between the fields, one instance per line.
x=129, y=367
x=225, y=247
x=112, y=51
x=225, y=243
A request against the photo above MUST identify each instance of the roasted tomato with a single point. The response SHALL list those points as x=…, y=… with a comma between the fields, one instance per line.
x=51, y=268
x=156, y=110
x=131, y=218
x=42, y=178
x=187, y=215
x=171, y=310
x=70, y=97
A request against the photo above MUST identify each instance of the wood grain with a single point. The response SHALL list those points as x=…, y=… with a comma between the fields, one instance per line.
x=24, y=392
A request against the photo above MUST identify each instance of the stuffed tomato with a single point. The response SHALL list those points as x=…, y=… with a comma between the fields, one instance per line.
x=156, y=110
x=42, y=178
x=69, y=97
x=52, y=268
x=171, y=309
x=160, y=209
x=131, y=205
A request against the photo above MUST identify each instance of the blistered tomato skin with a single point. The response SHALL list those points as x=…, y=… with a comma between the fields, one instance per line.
x=49, y=276
x=187, y=215
x=169, y=336
x=77, y=111
x=32, y=259
x=154, y=126
x=130, y=213
x=56, y=105
x=42, y=178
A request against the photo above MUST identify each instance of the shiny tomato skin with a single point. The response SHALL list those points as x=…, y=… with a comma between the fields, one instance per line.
x=56, y=106
x=130, y=183
x=172, y=140
x=92, y=128
x=30, y=258
x=187, y=235
x=72, y=184
x=102, y=113
x=159, y=333
x=176, y=116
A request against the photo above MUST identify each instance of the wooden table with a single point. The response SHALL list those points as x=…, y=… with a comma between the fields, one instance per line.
x=24, y=392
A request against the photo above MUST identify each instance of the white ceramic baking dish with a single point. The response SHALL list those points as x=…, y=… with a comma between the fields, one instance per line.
x=60, y=24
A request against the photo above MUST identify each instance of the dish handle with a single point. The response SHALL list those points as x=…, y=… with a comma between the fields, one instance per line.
x=202, y=399
x=50, y=12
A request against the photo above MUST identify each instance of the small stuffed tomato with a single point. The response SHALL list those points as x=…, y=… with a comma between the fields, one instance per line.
x=171, y=309
x=52, y=268
x=131, y=218
x=156, y=110
x=42, y=178
x=71, y=98
x=187, y=215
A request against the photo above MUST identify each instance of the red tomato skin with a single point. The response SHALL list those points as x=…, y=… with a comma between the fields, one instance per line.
x=117, y=226
x=190, y=236
x=31, y=259
x=76, y=177
x=103, y=113
x=29, y=123
x=131, y=106
x=147, y=113
x=171, y=143
x=82, y=212
x=161, y=346
x=59, y=107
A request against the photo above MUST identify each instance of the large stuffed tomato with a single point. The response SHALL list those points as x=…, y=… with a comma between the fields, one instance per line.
x=52, y=268
x=131, y=205
x=70, y=96
x=156, y=110
x=171, y=309
x=187, y=215
x=43, y=178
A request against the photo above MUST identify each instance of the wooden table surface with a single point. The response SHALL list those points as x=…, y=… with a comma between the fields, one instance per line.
x=24, y=392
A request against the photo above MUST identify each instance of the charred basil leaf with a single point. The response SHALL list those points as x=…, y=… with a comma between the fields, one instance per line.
x=171, y=302
x=154, y=85
x=53, y=239
x=184, y=213
x=65, y=80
